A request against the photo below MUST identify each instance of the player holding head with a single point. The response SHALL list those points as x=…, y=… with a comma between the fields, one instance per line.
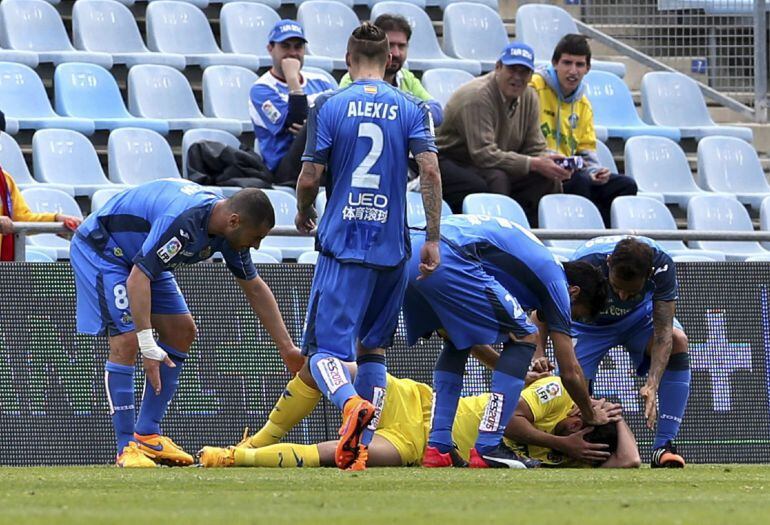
x=123, y=257
x=639, y=315
x=362, y=136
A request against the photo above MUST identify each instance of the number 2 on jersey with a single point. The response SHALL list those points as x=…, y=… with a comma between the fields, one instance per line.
x=361, y=177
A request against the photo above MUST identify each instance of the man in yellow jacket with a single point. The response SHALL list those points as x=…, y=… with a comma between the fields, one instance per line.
x=567, y=123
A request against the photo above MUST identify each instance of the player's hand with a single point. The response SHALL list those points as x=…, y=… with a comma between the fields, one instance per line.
x=305, y=220
x=604, y=412
x=6, y=225
x=152, y=357
x=71, y=223
x=293, y=359
x=291, y=67
x=541, y=364
x=576, y=447
x=533, y=376
x=650, y=395
x=295, y=128
x=601, y=176
x=430, y=259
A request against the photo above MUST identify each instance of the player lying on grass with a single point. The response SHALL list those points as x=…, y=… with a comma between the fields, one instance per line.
x=545, y=424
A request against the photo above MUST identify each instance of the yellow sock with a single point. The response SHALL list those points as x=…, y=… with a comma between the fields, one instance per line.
x=280, y=455
x=296, y=402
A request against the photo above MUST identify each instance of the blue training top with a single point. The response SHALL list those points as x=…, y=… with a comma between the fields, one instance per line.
x=159, y=226
x=363, y=135
x=661, y=286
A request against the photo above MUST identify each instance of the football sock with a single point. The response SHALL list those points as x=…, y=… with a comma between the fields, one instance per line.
x=447, y=385
x=370, y=383
x=332, y=378
x=507, y=382
x=673, y=392
x=154, y=405
x=296, y=402
x=278, y=455
x=119, y=381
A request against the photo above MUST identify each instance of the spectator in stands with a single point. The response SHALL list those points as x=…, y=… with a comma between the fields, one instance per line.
x=490, y=140
x=279, y=102
x=567, y=122
x=399, y=33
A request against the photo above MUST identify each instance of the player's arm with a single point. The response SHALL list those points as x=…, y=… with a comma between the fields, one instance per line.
x=263, y=303
x=627, y=453
x=430, y=187
x=660, y=351
x=542, y=335
x=573, y=379
x=307, y=191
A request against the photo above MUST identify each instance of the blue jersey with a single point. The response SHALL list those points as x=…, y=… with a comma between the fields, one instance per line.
x=662, y=286
x=363, y=135
x=158, y=226
x=519, y=262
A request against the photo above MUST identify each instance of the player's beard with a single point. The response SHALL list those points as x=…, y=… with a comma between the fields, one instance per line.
x=393, y=68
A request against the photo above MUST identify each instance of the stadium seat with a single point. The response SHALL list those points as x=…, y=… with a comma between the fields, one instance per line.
x=109, y=27
x=731, y=165
x=35, y=25
x=722, y=213
x=660, y=166
x=614, y=108
x=644, y=213
x=441, y=83
x=463, y=23
x=11, y=126
x=36, y=256
x=415, y=211
x=674, y=99
x=424, y=51
x=226, y=93
x=259, y=257
x=12, y=161
x=90, y=91
x=759, y=258
x=23, y=98
x=194, y=135
x=40, y=200
x=245, y=28
x=285, y=207
x=568, y=212
x=161, y=92
x=607, y=160
x=443, y=4
x=764, y=218
x=324, y=22
x=63, y=156
x=691, y=258
x=139, y=155
x=495, y=205
x=542, y=26
x=308, y=258
x=100, y=198
x=320, y=203
x=179, y=27
x=28, y=58
x=272, y=4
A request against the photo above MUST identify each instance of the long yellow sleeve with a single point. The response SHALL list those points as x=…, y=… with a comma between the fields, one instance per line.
x=21, y=211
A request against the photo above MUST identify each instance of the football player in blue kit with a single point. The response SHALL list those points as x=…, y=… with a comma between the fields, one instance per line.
x=492, y=271
x=639, y=315
x=362, y=136
x=123, y=257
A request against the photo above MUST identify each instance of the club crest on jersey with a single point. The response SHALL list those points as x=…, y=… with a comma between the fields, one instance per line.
x=372, y=90
x=270, y=111
x=548, y=392
x=169, y=250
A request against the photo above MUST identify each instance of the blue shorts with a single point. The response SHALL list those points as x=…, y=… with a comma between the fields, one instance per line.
x=633, y=331
x=351, y=303
x=102, y=298
x=461, y=298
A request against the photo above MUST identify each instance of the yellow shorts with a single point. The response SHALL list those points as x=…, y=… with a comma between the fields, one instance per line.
x=405, y=419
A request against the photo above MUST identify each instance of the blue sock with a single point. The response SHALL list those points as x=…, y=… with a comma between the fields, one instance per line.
x=154, y=406
x=447, y=385
x=507, y=382
x=119, y=381
x=673, y=392
x=370, y=383
x=332, y=378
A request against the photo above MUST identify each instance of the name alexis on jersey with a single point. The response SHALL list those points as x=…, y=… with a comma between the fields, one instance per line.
x=357, y=108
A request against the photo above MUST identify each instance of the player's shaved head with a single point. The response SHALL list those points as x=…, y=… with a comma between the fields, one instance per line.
x=368, y=43
x=631, y=260
x=592, y=284
x=253, y=208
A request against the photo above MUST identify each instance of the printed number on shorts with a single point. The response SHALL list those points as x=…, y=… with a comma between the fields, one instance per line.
x=517, y=310
x=121, y=296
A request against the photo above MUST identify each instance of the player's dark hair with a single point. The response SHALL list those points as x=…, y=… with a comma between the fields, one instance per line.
x=370, y=42
x=592, y=284
x=572, y=44
x=606, y=434
x=253, y=207
x=397, y=23
x=631, y=260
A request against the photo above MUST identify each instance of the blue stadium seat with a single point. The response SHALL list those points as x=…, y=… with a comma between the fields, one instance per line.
x=179, y=27
x=644, y=213
x=731, y=165
x=23, y=98
x=139, y=155
x=37, y=256
x=226, y=93
x=63, y=156
x=162, y=92
x=568, y=212
x=674, y=99
x=441, y=83
x=601, y=133
x=260, y=257
x=443, y=4
x=272, y=4
x=194, y=135
x=245, y=28
x=542, y=26
x=100, y=198
x=197, y=3
x=285, y=207
x=660, y=166
x=415, y=211
x=109, y=27
x=495, y=205
x=614, y=108
x=607, y=160
x=49, y=200
x=320, y=203
x=424, y=51
x=308, y=258
x=90, y=91
x=12, y=161
x=764, y=218
x=11, y=125
x=28, y=58
x=35, y=25
x=722, y=213
x=324, y=23
x=463, y=23
x=324, y=73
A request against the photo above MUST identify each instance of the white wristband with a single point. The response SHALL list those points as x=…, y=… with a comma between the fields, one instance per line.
x=148, y=346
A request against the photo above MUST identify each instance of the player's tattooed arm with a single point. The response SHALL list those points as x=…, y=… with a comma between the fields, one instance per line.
x=660, y=351
x=430, y=187
x=307, y=191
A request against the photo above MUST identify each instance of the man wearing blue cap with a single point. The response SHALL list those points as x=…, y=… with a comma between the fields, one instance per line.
x=280, y=101
x=491, y=141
